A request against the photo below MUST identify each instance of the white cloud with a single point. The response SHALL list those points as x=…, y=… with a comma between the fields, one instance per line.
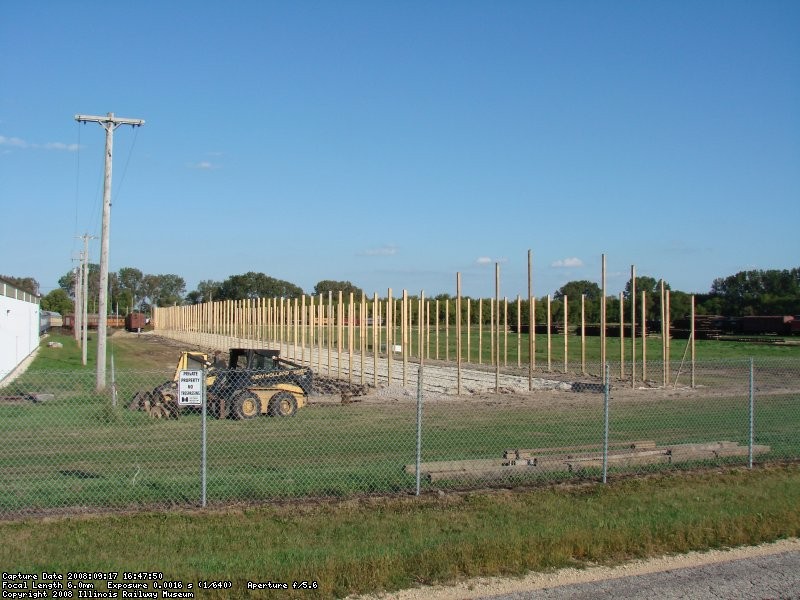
x=486, y=260
x=16, y=142
x=61, y=146
x=387, y=250
x=203, y=165
x=567, y=263
x=13, y=141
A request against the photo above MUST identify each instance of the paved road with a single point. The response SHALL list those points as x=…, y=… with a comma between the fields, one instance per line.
x=775, y=576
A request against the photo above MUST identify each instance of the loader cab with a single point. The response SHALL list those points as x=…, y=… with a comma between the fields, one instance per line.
x=250, y=359
x=191, y=361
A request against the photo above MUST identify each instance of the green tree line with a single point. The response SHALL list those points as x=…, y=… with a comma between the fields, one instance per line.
x=753, y=292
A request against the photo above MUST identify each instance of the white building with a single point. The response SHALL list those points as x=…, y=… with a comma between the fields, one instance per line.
x=19, y=326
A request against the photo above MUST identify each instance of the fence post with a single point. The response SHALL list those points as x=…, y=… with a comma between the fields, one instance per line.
x=419, y=427
x=605, y=423
x=203, y=445
x=752, y=417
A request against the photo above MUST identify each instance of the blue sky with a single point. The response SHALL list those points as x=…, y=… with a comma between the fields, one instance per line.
x=394, y=144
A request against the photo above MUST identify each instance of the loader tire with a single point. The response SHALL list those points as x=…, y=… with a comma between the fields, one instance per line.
x=282, y=404
x=245, y=406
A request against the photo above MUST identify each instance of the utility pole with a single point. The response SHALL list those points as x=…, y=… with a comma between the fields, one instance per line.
x=109, y=123
x=77, y=312
x=85, y=296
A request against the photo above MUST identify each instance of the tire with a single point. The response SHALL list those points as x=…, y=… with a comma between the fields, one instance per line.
x=245, y=405
x=282, y=404
x=169, y=400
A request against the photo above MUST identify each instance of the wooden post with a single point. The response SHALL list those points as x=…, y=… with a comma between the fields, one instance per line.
x=583, y=334
x=404, y=334
x=633, y=326
x=469, y=344
x=428, y=329
x=603, y=316
x=312, y=324
x=458, y=332
x=350, y=336
x=549, y=337
x=519, y=331
x=436, y=321
x=375, y=339
x=663, y=339
x=480, y=331
x=566, y=335
x=283, y=337
x=491, y=330
x=497, y=351
x=667, y=339
x=320, y=332
x=447, y=329
x=505, y=331
x=644, y=336
x=303, y=328
x=533, y=330
x=362, y=333
x=621, y=338
x=421, y=326
x=531, y=326
x=339, y=333
x=295, y=325
x=422, y=318
x=389, y=341
x=691, y=335
x=329, y=328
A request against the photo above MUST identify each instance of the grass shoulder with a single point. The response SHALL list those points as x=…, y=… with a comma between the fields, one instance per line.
x=378, y=544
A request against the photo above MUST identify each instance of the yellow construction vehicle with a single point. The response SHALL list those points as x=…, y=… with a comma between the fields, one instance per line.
x=259, y=382
x=254, y=382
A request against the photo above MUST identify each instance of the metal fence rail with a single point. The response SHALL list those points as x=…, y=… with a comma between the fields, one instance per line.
x=66, y=446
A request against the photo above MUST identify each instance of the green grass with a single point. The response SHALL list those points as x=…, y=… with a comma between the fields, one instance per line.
x=78, y=450
x=379, y=544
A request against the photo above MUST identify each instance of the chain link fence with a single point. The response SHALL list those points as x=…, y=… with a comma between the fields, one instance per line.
x=274, y=430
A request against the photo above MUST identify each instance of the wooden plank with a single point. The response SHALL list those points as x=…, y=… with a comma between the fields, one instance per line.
x=498, y=472
x=573, y=458
x=456, y=465
x=681, y=453
x=622, y=460
x=532, y=453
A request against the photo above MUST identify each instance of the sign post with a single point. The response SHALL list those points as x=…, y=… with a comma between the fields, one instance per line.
x=192, y=392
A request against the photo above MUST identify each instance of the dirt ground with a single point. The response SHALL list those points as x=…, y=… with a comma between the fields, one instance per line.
x=155, y=352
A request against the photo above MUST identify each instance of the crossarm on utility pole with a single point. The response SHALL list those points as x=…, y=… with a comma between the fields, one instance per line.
x=110, y=118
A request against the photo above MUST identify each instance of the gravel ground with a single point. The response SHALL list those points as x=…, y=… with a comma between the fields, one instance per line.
x=516, y=587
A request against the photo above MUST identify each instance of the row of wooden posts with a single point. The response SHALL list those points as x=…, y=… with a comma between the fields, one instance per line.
x=316, y=325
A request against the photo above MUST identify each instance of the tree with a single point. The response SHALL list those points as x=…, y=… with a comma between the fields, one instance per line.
x=164, y=290
x=574, y=289
x=328, y=285
x=647, y=284
x=257, y=285
x=68, y=281
x=130, y=281
x=58, y=301
x=26, y=284
x=652, y=289
x=759, y=292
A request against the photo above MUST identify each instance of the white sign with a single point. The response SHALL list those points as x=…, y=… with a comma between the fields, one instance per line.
x=190, y=388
